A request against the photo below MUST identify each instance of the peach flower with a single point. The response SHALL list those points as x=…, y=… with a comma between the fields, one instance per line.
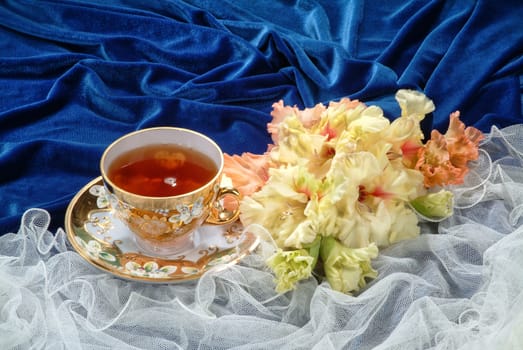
x=443, y=160
x=462, y=142
x=248, y=172
x=435, y=165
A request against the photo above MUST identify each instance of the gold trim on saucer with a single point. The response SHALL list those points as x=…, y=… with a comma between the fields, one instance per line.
x=100, y=238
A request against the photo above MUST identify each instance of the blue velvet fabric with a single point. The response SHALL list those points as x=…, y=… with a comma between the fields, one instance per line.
x=75, y=75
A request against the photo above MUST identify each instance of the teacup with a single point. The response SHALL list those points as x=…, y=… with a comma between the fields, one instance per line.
x=164, y=183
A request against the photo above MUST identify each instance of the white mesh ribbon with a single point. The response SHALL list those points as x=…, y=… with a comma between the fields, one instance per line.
x=458, y=286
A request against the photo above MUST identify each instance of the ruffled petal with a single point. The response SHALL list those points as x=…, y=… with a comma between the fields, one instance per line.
x=346, y=268
x=289, y=267
x=279, y=206
x=414, y=103
x=248, y=172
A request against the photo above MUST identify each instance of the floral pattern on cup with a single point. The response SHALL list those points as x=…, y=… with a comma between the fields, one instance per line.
x=186, y=213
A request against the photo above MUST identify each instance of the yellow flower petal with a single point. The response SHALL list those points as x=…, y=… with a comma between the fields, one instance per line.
x=346, y=269
x=414, y=103
x=289, y=267
x=279, y=205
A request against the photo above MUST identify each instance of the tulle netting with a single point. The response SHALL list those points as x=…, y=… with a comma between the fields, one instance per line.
x=458, y=286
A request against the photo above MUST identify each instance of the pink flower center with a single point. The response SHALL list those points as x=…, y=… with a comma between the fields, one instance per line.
x=378, y=192
x=329, y=132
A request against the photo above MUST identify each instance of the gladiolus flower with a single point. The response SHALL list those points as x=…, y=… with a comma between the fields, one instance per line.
x=347, y=176
x=289, y=267
x=280, y=205
x=443, y=160
x=346, y=268
x=248, y=172
x=434, y=205
x=462, y=142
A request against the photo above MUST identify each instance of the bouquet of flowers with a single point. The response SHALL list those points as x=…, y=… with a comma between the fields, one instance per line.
x=341, y=181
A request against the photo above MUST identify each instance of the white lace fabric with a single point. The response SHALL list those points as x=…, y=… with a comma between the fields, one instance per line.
x=458, y=286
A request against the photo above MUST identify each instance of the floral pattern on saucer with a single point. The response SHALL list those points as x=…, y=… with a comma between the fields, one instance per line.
x=150, y=269
x=95, y=250
x=97, y=234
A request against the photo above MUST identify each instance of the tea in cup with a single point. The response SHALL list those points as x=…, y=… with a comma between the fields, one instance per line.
x=164, y=183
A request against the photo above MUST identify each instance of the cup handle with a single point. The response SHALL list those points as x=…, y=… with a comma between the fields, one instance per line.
x=219, y=215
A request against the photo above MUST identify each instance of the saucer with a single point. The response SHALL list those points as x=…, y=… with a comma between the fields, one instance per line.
x=99, y=237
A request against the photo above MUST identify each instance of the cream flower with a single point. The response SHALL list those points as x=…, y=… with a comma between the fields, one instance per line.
x=371, y=121
x=405, y=137
x=403, y=129
x=349, y=177
x=289, y=267
x=414, y=103
x=360, y=201
x=296, y=144
x=337, y=118
x=308, y=117
x=345, y=268
x=280, y=205
x=306, y=231
x=404, y=224
x=335, y=214
x=434, y=205
x=341, y=114
x=279, y=113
